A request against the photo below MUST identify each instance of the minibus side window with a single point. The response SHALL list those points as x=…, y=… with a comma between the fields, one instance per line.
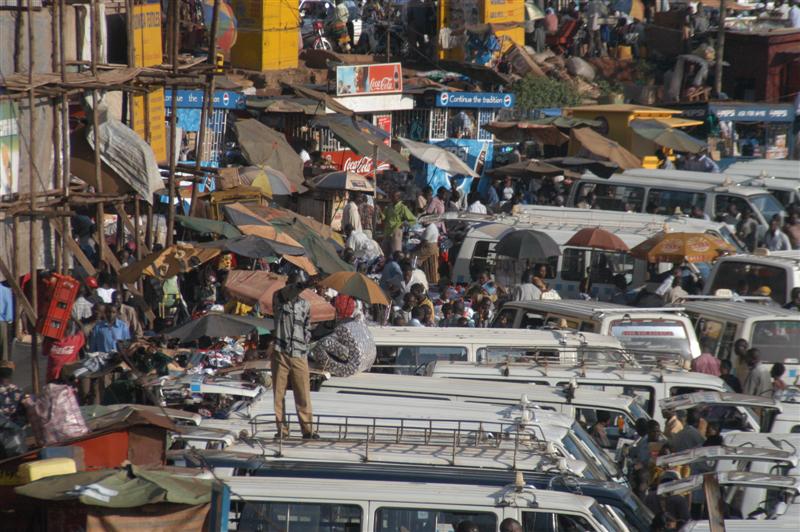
x=666, y=202
x=607, y=264
x=722, y=201
x=573, y=264
x=619, y=198
x=299, y=517
x=405, y=360
x=533, y=521
x=711, y=331
x=422, y=519
x=745, y=278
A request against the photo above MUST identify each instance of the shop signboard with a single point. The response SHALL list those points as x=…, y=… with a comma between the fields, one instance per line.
x=385, y=78
x=9, y=148
x=350, y=161
x=148, y=118
x=476, y=100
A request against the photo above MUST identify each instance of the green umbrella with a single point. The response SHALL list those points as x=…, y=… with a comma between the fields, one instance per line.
x=208, y=227
x=669, y=137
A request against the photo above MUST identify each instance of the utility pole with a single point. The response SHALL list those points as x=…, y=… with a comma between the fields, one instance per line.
x=720, y=52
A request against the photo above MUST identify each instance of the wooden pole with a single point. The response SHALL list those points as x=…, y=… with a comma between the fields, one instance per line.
x=720, y=52
x=208, y=103
x=174, y=24
x=100, y=213
x=33, y=241
x=58, y=174
x=65, y=145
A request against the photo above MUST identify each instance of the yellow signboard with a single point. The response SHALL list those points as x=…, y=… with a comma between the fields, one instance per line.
x=507, y=17
x=149, y=121
x=147, y=35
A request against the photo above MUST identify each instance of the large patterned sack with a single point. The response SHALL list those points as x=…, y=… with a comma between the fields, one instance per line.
x=348, y=350
x=55, y=415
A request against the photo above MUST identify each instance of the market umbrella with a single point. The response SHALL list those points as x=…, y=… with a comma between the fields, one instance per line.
x=669, y=137
x=263, y=146
x=681, y=247
x=253, y=247
x=356, y=285
x=208, y=227
x=530, y=168
x=527, y=244
x=597, y=238
x=438, y=157
x=226, y=23
x=170, y=261
x=218, y=325
x=596, y=144
x=270, y=181
x=343, y=181
x=251, y=287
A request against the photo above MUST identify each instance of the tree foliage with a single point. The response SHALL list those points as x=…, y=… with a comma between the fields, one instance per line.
x=536, y=92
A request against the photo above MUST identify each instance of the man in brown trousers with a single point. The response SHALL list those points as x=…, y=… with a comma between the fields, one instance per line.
x=292, y=316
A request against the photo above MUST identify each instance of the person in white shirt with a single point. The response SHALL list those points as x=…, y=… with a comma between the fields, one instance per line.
x=364, y=248
x=775, y=239
x=351, y=216
x=475, y=205
x=412, y=276
x=666, y=284
x=526, y=290
x=794, y=15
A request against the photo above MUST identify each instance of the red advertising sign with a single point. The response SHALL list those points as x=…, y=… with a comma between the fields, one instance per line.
x=369, y=79
x=350, y=161
x=384, y=122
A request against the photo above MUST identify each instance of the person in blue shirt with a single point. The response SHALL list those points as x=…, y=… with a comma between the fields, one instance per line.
x=6, y=318
x=108, y=332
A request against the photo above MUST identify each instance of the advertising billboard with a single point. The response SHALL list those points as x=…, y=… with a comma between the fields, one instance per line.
x=9, y=148
x=384, y=78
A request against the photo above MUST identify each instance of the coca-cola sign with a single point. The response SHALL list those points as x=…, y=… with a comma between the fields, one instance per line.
x=352, y=162
x=369, y=79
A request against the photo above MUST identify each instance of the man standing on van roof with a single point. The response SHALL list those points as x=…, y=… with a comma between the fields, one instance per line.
x=526, y=290
x=292, y=317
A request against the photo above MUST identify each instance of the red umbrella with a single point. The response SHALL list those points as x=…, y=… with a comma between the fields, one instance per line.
x=594, y=237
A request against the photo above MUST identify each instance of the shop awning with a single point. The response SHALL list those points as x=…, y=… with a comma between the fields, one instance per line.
x=668, y=137
x=363, y=139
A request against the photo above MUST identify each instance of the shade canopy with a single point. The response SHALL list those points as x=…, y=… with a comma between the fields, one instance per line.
x=681, y=247
x=593, y=143
x=170, y=261
x=262, y=145
x=438, y=157
x=258, y=287
x=343, y=181
x=528, y=244
x=668, y=137
x=218, y=325
x=521, y=131
x=597, y=238
x=531, y=168
x=253, y=247
x=207, y=226
x=356, y=285
x=363, y=138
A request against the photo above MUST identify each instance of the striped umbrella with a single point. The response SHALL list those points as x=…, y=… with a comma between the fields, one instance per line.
x=272, y=182
x=226, y=23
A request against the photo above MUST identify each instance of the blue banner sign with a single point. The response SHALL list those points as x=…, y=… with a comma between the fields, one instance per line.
x=188, y=99
x=481, y=100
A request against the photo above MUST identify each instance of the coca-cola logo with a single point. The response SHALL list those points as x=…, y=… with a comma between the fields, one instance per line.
x=362, y=165
x=383, y=84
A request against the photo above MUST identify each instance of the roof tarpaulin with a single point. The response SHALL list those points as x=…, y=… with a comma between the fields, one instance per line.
x=262, y=145
x=205, y=226
x=130, y=157
x=133, y=486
